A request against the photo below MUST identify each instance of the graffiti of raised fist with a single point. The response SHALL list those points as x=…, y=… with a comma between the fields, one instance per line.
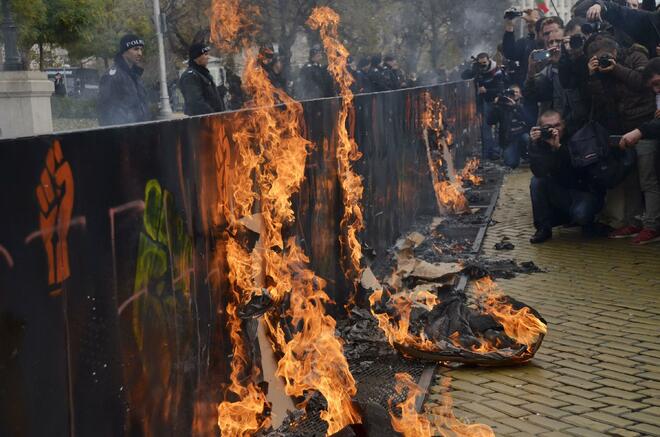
x=55, y=196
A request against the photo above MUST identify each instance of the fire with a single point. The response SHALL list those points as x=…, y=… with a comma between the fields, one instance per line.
x=232, y=23
x=468, y=172
x=267, y=171
x=397, y=328
x=409, y=423
x=521, y=325
x=327, y=21
x=314, y=359
x=448, y=189
x=446, y=424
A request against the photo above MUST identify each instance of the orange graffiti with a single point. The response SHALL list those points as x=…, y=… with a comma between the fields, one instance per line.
x=55, y=194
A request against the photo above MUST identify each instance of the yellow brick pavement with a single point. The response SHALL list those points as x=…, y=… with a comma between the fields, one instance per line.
x=598, y=371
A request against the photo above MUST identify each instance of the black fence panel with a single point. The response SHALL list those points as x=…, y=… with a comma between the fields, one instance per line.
x=112, y=280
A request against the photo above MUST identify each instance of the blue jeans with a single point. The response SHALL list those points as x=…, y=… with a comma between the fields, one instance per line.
x=554, y=205
x=488, y=145
x=514, y=149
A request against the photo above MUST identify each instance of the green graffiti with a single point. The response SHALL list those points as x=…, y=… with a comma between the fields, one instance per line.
x=163, y=273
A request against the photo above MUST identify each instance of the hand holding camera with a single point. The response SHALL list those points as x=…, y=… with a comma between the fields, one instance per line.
x=549, y=135
x=603, y=64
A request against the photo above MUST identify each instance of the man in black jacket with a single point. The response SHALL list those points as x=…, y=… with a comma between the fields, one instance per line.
x=519, y=50
x=122, y=95
x=315, y=81
x=642, y=26
x=559, y=192
x=489, y=80
x=199, y=90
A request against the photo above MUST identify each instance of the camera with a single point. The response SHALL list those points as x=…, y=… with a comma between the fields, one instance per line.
x=577, y=42
x=604, y=61
x=546, y=133
x=512, y=13
x=589, y=28
x=541, y=55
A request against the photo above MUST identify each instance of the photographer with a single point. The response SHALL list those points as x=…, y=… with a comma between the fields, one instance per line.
x=489, y=80
x=517, y=51
x=643, y=26
x=515, y=121
x=574, y=75
x=543, y=85
x=559, y=192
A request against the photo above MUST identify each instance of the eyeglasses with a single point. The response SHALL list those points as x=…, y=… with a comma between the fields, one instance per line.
x=551, y=126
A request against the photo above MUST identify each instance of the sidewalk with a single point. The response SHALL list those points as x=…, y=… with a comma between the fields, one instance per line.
x=598, y=371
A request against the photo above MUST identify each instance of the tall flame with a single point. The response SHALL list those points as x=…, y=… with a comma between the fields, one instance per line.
x=268, y=169
x=448, y=190
x=327, y=21
x=314, y=359
x=521, y=325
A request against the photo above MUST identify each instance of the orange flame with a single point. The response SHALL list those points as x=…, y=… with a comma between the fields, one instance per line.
x=314, y=359
x=446, y=424
x=408, y=421
x=468, y=172
x=232, y=23
x=267, y=170
x=521, y=325
x=327, y=21
x=448, y=191
x=398, y=331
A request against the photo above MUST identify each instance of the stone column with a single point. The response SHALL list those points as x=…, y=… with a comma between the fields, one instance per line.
x=25, y=103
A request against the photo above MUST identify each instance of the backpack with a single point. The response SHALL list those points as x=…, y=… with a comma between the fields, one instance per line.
x=605, y=167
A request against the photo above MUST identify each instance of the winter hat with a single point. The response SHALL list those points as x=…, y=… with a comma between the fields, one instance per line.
x=196, y=50
x=129, y=41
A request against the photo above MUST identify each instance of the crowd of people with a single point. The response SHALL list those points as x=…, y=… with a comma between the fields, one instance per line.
x=581, y=102
x=123, y=96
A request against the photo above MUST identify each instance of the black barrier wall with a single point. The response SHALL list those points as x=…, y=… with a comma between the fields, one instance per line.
x=111, y=293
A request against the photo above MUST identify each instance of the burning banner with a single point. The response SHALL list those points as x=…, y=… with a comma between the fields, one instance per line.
x=448, y=185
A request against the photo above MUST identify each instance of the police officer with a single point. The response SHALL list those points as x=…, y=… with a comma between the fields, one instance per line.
x=315, y=82
x=199, y=90
x=122, y=95
x=392, y=74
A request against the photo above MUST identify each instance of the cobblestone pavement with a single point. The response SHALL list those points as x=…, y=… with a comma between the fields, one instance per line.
x=598, y=371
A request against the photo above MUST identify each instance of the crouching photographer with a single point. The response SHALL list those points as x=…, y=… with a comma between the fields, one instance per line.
x=560, y=193
x=514, y=123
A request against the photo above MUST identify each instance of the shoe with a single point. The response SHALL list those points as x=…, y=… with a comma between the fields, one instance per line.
x=647, y=236
x=625, y=232
x=541, y=236
x=596, y=230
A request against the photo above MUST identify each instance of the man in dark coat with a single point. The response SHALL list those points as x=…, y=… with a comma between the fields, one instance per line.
x=122, y=95
x=641, y=26
x=315, y=81
x=519, y=50
x=489, y=80
x=197, y=85
x=560, y=193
